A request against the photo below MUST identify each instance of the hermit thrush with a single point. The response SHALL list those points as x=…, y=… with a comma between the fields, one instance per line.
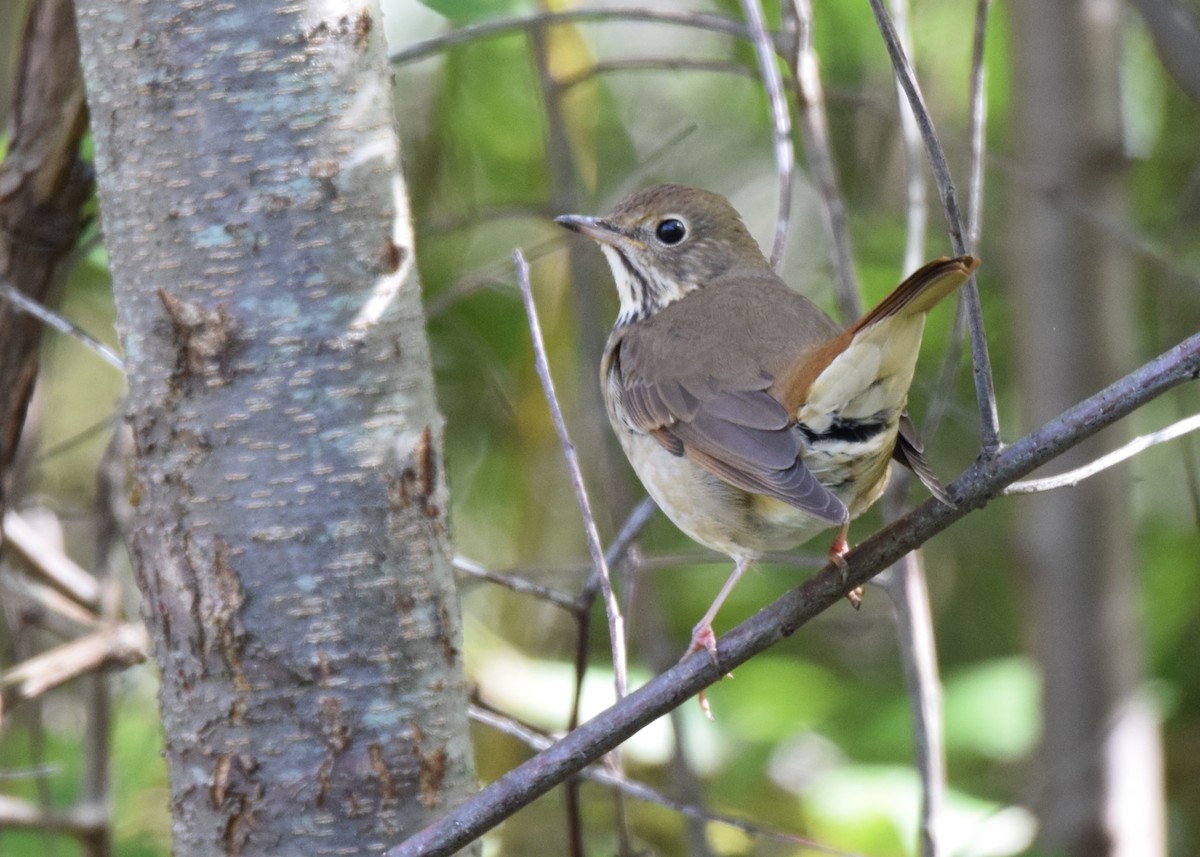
x=752, y=419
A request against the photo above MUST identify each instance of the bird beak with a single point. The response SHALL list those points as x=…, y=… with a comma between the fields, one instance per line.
x=594, y=228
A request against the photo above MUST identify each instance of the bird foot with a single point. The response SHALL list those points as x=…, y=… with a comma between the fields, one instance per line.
x=837, y=553
x=704, y=638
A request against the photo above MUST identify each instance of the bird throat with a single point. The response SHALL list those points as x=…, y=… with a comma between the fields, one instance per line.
x=643, y=289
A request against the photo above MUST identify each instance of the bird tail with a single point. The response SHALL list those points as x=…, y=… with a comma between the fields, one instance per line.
x=921, y=291
x=850, y=410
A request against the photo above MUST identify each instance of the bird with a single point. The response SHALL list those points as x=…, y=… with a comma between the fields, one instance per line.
x=751, y=417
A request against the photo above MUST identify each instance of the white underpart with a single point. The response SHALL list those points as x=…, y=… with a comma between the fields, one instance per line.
x=633, y=303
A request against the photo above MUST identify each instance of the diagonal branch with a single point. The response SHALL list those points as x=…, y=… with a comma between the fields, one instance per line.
x=977, y=486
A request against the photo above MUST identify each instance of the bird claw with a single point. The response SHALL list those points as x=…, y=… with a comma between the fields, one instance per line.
x=837, y=554
x=704, y=638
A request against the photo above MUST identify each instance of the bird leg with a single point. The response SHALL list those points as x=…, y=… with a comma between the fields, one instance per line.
x=837, y=551
x=702, y=635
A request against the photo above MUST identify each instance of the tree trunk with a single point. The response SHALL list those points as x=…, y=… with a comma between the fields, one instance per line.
x=1099, y=781
x=290, y=535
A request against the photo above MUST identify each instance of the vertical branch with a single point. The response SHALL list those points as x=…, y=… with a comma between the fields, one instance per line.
x=978, y=109
x=985, y=390
x=781, y=123
x=916, y=209
x=907, y=589
x=814, y=127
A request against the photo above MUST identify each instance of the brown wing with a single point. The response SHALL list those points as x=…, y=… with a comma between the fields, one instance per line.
x=702, y=397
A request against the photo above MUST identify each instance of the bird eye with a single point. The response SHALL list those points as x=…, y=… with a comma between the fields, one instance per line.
x=670, y=231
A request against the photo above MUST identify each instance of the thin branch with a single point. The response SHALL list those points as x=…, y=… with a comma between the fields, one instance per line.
x=53, y=320
x=616, y=628
x=978, y=109
x=916, y=207
x=120, y=645
x=906, y=586
x=539, y=741
x=49, y=563
x=985, y=391
x=47, y=607
x=1139, y=444
x=977, y=101
x=520, y=585
x=979, y=484
x=672, y=64
x=619, y=14
x=781, y=124
x=814, y=127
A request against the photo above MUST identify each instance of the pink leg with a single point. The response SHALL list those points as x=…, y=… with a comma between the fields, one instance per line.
x=702, y=635
x=837, y=550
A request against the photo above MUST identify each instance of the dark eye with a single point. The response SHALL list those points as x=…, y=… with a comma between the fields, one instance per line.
x=670, y=231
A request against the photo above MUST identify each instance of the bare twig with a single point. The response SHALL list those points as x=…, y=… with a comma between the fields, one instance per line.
x=46, y=606
x=53, y=320
x=781, y=124
x=906, y=586
x=655, y=64
x=814, y=126
x=978, y=144
x=120, y=645
x=615, y=623
x=979, y=484
x=978, y=110
x=916, y=208
x=985, y=391
x=1073, y=477
x=49, y=563
x=520, y=585
x=488, y=29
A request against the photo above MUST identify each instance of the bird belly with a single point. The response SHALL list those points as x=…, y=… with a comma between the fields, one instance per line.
x=714, y=513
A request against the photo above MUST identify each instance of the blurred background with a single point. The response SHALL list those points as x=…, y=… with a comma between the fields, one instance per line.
x=1068, y=629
